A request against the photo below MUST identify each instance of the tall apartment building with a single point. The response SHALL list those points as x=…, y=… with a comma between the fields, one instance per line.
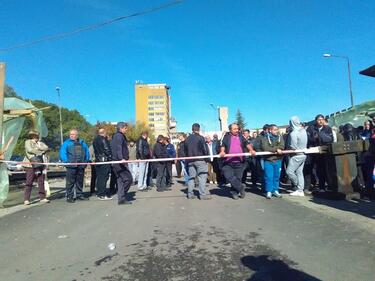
x=152, y=107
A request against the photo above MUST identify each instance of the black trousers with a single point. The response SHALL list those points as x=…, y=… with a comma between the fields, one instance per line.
x=74, y=182
x=124, y=181
x=179, y=168
x=113, y=182
x=161, y=168
x=217, y=166
x=93, y=179
x=322, y=170
x=102, y=175
x=168, y=180
x=233, y=174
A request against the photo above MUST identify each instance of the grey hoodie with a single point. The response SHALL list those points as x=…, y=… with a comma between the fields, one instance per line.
x=298, y=136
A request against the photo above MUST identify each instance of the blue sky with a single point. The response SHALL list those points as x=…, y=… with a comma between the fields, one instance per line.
x=263, y=57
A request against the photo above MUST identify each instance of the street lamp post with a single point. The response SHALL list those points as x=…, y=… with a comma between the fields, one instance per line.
x=61, y=129
x=216, y=109
x=349, y=74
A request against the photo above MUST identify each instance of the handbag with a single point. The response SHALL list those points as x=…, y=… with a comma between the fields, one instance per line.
x=38, y=159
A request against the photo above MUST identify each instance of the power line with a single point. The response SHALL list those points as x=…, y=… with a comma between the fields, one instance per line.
x=87, y=28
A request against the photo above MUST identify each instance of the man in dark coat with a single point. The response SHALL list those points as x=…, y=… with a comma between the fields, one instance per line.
x=103, y=153
x=120, y=152
x=320, y=134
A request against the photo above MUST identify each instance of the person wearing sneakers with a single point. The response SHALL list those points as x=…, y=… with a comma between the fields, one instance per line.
x=274, y=143
x=102, y=153
x=233, y=167
x=34, y=149
x=297, y=139
x=195, y=146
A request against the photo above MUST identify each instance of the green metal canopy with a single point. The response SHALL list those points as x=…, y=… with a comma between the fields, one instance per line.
x=368, y=71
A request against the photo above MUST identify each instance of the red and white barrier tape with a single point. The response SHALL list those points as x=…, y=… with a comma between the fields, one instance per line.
x=311, y=150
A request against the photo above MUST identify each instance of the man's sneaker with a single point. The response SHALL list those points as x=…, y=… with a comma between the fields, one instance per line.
x=242, y=193
x=45, y=200
x=82, y=198
x=297, y=193
x=70, y=200
x=26, y=202
x=191, y=197
x=104, y=198
x=277, y=194
x=269, y=195
x=205, y=197
x=235, y=196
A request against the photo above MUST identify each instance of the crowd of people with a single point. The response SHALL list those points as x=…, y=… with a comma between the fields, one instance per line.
x=209, y=160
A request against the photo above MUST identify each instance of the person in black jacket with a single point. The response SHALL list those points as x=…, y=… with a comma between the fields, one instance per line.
x=233, y=142
x=195, y=145
x=120, y=152
x=317, y=135
x=143, y=152
x=103, y=153
x=160, y=151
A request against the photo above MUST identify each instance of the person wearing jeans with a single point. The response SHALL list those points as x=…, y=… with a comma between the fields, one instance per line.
x=181, y=153
x=143, y=152
x=274, y=143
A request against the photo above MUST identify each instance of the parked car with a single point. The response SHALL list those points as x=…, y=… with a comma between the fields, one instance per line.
x=14, y=166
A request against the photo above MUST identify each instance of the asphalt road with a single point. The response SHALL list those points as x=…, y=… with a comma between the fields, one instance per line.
x=164, y=236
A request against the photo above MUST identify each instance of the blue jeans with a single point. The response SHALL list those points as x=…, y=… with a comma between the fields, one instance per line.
x=142, y=178
x=184, y=169
x=272, y=175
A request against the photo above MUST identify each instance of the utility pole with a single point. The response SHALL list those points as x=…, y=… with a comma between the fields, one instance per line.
x=2, y=86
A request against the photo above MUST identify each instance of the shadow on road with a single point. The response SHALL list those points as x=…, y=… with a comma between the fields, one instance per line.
x=357, y=206
x=268, y=269
x=221, y=191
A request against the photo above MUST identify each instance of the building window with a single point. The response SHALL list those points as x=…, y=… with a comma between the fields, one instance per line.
x=150, y=108
x=151, y=114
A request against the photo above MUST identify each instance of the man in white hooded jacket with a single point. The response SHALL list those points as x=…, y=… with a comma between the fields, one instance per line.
x=297, y=140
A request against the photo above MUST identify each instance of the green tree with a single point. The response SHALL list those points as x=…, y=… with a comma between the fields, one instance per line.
x=240, y=120
x=135, y=130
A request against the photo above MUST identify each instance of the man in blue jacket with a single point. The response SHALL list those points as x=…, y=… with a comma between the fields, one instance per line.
x=74, y=150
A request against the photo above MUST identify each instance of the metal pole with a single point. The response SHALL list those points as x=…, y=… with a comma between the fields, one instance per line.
x=2, y=86
x=350, y=84
x=61, y=129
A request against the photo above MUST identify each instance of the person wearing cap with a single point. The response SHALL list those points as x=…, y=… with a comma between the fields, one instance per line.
x=120, y=152
x=34, y=150
x=320, y=134
x=74, y=150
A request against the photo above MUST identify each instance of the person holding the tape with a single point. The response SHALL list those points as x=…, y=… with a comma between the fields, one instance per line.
x=34, y=150
x=74, y=150
x=120, y=152
x=233, y=167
